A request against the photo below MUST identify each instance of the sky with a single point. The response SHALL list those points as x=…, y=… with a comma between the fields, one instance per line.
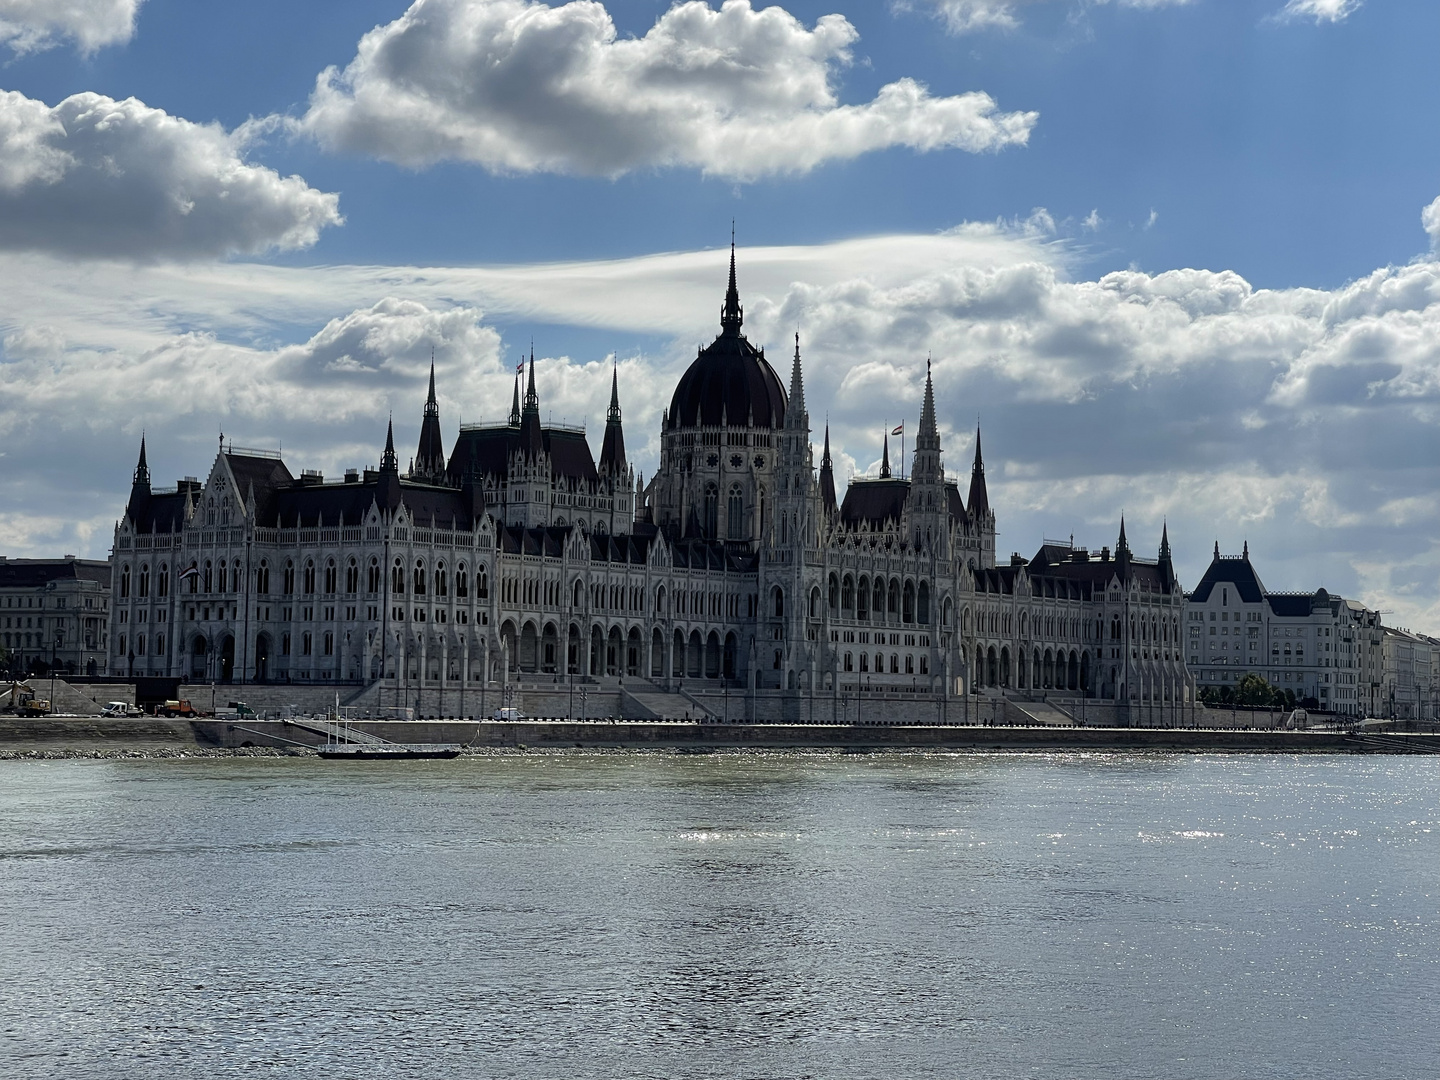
x=1177, y=258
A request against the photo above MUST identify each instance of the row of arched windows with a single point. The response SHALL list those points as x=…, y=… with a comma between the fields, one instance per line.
x=141, y=582
x=880, y=600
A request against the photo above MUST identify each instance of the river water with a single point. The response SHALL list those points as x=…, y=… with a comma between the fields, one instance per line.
x=595, y=914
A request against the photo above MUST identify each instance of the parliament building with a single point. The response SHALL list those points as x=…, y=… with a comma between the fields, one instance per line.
x=519, y=565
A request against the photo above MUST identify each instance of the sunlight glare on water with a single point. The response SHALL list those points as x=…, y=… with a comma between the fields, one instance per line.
x=595, y=914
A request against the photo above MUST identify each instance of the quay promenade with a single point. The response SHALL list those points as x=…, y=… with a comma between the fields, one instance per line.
x=86, y=736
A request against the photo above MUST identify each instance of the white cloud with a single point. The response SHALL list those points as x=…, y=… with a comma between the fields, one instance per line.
x=1430, y=219
x=519, y=86
x=1332, y=11
x=1306, y=421
x=973, y=16
x=32, y=25
x=95, y=176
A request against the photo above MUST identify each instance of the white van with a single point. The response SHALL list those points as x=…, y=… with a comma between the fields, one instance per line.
x=506, y=714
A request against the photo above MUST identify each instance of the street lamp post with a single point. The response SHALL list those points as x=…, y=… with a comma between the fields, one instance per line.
x=54, y=647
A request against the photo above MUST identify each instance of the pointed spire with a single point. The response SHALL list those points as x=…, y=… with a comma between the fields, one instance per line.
x=1246, y=553
x=515, y=405
x=827, y=475
x=928, y=427
x=1165, y=542
x=1217, y=549
x=388, y=461
x=142, y=470
x=612, y=450
x=979, y=501
x=1122, y=550
x=429, y=460
x=795, y=414
x=732, y=316
x=532, y=399
x=531, y=439
x=885, y=461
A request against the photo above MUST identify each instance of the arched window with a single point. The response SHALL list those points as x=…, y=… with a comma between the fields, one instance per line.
x=815, y=602
x=779, y=597
x=862, y=599
x=660, y=600
x=352, y=576
x=162, y=580
x=922, y=604
x=847, y=594
x=834, y=592
x=711, y=507
x=482, y=584
x=372, y=576
x=735, y=513
x=208, y=576
x=159, y=644
x=878, y=600
x=462, y=582
x=125, y=581
x=330, y=577
x=907, y=610
x=397, y=577
x=288, y=585
x=309, y=577
x=262, y=578
x=144, y=579
x=419, y=577
x=440, y=579
x=761, y=501
x=220, y=577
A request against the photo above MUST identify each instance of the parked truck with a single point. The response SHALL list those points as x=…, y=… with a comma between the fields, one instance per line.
x=177, y=708
x=236, y=710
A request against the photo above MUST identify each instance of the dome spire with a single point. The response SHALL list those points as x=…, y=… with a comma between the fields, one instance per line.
x=732, y=316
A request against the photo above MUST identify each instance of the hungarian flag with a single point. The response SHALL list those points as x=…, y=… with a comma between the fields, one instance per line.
x=191, y=571
x=520, y=368
x=899, y=430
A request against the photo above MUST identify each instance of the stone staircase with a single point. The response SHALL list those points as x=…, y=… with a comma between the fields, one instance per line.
x=1044, y=713
x=646, y=701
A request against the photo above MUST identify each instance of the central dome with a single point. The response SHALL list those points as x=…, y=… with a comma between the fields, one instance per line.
x=730, y=382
